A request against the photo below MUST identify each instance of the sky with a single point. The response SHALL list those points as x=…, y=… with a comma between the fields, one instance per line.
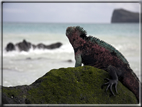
x=63, y=12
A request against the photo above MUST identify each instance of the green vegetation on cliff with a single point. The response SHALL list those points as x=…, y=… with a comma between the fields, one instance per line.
x=81, y=85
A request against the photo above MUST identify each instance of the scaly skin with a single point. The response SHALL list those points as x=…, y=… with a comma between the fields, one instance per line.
x=94, y=52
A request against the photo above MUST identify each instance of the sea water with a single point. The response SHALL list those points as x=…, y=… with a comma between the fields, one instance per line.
x=23, y=68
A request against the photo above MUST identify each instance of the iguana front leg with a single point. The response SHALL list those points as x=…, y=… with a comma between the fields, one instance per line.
x=114, y=79
x=78, y=60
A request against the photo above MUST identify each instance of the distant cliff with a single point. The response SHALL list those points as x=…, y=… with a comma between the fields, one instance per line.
x=121, y=15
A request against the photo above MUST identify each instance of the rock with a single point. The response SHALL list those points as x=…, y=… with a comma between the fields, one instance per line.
x=80, y=85
x=28, y=58
x=69, y=60
x=54, y=45
x=10, y=47
x=34, y=46
x=41, y=46
x=121, y=15
x=26, y=46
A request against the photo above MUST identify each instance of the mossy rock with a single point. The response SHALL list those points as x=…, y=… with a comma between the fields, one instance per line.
x=80, y=85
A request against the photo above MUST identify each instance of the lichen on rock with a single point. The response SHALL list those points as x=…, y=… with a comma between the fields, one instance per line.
x=80, y=85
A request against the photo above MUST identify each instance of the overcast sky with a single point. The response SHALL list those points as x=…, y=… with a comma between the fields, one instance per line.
x=63, y=12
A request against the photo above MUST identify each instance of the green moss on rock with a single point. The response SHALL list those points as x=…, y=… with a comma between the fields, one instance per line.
x=81, y=85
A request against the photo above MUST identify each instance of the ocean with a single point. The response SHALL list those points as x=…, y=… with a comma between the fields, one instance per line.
x=23, y=68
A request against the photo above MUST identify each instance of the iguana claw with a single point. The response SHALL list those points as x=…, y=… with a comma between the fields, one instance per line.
x=109, y=84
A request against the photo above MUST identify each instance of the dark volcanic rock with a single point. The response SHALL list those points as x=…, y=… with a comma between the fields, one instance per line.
x=41, y=46
x=69, y=60
x=121, y=15
x=26, y=46
x=54, y=46
x=10, y=47
x=80, y=85
x=34, y=46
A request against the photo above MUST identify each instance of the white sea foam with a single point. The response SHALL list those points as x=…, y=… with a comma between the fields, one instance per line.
x=64, y=49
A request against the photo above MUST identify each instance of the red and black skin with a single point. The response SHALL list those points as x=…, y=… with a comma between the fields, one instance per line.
x=94, y=55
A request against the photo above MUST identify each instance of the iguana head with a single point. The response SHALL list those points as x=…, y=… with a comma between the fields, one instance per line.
x=70, y=31
x=76, y=36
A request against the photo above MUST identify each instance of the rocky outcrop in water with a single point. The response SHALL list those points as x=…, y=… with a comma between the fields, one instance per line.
x=80, y=85
x=10, y=47
x=124, y=16
x=26, y=46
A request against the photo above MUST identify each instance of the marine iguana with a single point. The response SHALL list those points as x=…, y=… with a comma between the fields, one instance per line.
x=94, y=52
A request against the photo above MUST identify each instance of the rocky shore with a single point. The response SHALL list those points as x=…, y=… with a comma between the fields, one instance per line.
x=26, y=46
x=80, y=85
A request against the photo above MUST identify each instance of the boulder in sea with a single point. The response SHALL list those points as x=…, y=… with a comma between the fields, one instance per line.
x=24, y=45
x=41, y=46
x=80, y=85
x=10, y=47
x=54, y=45
x=69, y=61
